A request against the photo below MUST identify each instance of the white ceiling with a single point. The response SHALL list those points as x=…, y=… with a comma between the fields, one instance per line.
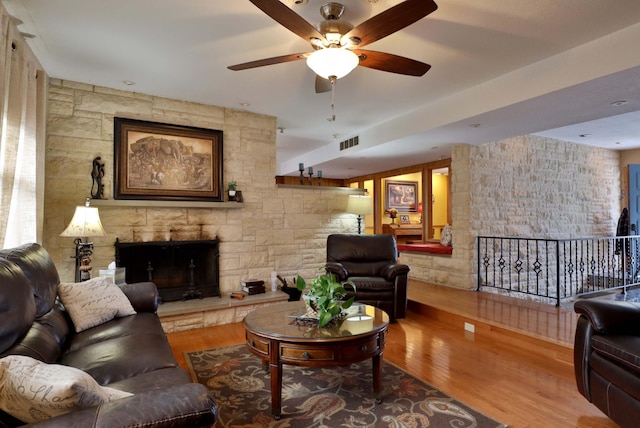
x=512, y=66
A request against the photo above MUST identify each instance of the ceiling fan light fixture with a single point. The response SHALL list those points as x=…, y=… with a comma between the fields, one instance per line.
x=332, y=62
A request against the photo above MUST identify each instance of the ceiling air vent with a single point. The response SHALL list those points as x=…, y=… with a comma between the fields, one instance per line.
x=346, y=144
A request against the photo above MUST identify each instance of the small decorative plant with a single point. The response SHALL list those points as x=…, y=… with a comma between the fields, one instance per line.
x=232, y=185
x=325, y=295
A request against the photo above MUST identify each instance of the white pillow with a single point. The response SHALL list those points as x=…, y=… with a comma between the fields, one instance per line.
x=93, y=302
x=32, y=391
x=446, y=238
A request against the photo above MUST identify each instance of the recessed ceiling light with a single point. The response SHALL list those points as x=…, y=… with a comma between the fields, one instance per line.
x=619, y=103
x=584, y=135
x=128, y=82
x=245, y=104
x=475, y=125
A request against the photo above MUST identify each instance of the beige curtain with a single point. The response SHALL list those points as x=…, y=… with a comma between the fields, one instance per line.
x=20, y=187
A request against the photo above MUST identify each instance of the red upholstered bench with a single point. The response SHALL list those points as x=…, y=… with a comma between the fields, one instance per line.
x=431, y=247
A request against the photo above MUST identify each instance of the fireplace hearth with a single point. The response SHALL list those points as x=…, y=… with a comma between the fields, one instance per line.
x=180, y=269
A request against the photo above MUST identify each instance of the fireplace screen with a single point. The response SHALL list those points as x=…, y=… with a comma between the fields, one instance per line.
x=180, y=269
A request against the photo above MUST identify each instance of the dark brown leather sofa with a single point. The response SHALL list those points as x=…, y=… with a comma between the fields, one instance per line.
x=129, y=353
x=607, y=357
x=371, y=262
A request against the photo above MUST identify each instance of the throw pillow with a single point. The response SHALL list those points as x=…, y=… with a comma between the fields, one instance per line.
x=446, y=237
x=32, y=391
x=93, y=302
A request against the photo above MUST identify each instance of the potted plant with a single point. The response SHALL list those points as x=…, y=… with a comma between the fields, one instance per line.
x=325, y=296
x=231, y=189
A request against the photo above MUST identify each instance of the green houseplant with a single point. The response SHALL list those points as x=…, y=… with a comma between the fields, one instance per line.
x=325, y=295
x=231, y=190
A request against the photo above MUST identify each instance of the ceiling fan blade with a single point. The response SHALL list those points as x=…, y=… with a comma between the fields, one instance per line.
x=322, y=85
x=391, y=63
x=288, y=19
x=268, y=61
x=391, y=20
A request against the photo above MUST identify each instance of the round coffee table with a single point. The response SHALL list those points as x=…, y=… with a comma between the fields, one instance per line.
x=278, y=336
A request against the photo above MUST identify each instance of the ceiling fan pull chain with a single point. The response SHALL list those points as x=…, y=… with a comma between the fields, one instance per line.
x=333, y=93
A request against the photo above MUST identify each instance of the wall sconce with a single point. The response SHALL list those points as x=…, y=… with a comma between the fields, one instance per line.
x=360, y=205
x=84, y=224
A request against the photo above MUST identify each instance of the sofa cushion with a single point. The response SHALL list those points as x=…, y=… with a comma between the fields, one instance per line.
x=31, y=390
x=40, y=271
x=17, y=305
x=93, y=302
x=142, y=323
x=46, y=339
x=153, y=381
x=122, y=357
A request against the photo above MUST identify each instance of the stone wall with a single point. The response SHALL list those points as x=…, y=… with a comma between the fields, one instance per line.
x=530, y=187
x=539, y=187
x=276, y=228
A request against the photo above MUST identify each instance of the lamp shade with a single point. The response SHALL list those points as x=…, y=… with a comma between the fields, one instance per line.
x=329, y=62
x=359, y=204
x=85, y=222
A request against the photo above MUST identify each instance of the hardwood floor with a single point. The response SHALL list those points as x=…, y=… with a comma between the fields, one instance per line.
x=517, y=366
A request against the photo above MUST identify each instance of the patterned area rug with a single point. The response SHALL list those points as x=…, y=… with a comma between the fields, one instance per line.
x=334, y=397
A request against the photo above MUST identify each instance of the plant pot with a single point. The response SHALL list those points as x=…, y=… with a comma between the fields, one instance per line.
x=232, y=195
x=310, y=307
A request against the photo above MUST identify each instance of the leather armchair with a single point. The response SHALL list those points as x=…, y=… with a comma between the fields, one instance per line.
x=607, y=357
x=371, y=262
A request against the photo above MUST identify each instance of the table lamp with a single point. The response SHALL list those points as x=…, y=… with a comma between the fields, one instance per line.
x=84, y=224
x=360, y=205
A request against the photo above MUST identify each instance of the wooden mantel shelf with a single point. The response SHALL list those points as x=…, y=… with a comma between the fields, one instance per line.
x=163, y=204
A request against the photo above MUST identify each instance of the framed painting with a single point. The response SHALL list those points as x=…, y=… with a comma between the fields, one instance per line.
x=401, y=195
x=158, y=161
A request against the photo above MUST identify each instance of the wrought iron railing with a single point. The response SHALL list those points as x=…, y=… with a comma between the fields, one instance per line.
x=558, y=269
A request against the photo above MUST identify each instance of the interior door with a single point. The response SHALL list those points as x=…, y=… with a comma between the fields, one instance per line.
x=634, y=199
x=632, y=250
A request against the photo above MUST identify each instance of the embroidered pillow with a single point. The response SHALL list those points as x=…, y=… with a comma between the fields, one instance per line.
x=32, y=391
x=93, y=302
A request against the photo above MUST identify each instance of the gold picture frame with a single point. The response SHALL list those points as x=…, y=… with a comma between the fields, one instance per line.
x=159, y=161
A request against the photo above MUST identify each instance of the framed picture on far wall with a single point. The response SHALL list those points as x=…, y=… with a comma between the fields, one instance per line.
x=401, y=195
x=166, y=162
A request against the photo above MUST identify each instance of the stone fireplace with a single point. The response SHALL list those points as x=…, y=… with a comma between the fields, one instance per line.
x=180, y=269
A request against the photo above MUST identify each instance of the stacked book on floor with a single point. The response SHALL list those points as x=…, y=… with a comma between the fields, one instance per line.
x=253, y=286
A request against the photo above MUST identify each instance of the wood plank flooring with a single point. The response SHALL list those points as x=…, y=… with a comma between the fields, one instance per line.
x=516, y=367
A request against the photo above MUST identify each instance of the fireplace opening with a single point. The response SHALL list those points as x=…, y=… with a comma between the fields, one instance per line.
x=180, y=269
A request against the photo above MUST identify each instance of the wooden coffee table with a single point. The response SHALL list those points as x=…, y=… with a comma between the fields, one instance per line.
x=275, y=335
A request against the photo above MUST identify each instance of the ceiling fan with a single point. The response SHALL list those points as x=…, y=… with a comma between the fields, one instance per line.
x=337, y=44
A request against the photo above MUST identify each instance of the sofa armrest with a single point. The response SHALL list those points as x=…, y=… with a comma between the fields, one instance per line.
x=610, y=316
x=185, y=405
x=389, y=272
x=143, y=296
x=338, y=270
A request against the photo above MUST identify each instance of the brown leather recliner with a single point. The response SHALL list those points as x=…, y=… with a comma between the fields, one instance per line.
x=371, y=262
x=607, y=357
